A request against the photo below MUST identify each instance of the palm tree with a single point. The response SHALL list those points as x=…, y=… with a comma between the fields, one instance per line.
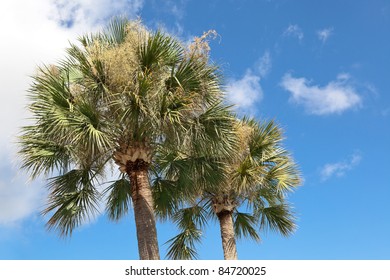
x=258, y=178
x=120, y=97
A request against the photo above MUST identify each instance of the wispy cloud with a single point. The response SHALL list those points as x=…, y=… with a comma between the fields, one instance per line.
x=264, y=64
x=324, y=34
x=338, y=169
x=176, y=8
x=176, y=11
x=335, y=97
x=293, y=30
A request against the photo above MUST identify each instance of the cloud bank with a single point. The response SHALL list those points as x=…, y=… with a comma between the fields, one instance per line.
x=36, y=32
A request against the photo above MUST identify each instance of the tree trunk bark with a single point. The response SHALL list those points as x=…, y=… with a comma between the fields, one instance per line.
x=227, y=234
x=144, y=214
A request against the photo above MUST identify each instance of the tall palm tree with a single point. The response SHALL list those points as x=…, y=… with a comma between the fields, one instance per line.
x=120, y=97
x=256, y=178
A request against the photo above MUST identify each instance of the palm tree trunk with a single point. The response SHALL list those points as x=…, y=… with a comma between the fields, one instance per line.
x=227, y=234
x=144, y=211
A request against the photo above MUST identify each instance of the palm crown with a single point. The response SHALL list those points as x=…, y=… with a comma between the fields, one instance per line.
x=257, y=177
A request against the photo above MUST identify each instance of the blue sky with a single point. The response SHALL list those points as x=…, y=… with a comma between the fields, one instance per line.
x=319, y=68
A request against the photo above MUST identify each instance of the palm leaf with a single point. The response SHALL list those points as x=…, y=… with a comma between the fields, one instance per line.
x=245, y=226
x=166, y=197
x=278, y=218
x=73, y=199
x=182, y=246
x=116, y=31
x=193, y=216
x=40, y=156
x=190, y=221
x=118, y=199
x=159, y=49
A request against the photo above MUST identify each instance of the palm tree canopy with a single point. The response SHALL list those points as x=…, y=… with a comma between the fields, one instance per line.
x=257, y=177
x=123, y=95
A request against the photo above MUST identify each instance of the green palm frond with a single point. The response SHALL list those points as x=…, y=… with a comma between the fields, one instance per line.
x=278, y=218
x=212, y=130
x=194, y=76
x=118, y=199
x=167, y=198
x=190, y=221
x=41, y=156
x=193, y=216
x=89, y=129
x=159, y=48
x=245, y=226
x=50, y=87
x=73, y=199
x=182, y=246
x=266, y=136
x=245, y=177
x=284, y=176
x=116, y=31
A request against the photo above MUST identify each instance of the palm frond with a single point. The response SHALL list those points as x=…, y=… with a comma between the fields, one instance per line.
x=42, y=156
x=190, y=221
x=182, y=246
x=116, y=31
x=159, y=49
x=193, y=216
x=245, y=226
x=73, y=199
x=118, y=199
x=167, y=198
x=89, y=129
x=278, y=218
x=213, y=130
x=284, y=176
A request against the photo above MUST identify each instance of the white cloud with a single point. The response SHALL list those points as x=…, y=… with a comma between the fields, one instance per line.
x=245, y=92
x=32, y=35
x=293, y=30
x=324, y=34
x=89, y=14
x=335, y=97
x=18, y=200
x=338, y=169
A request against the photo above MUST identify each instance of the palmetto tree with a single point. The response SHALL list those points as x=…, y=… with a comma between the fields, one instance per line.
x=256, y=178
x=121, y=97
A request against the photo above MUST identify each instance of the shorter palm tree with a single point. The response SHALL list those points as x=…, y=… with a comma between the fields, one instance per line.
x=257, y=179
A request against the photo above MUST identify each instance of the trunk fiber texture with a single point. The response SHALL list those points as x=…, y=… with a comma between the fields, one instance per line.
x=227, y=234
x=144, y=212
